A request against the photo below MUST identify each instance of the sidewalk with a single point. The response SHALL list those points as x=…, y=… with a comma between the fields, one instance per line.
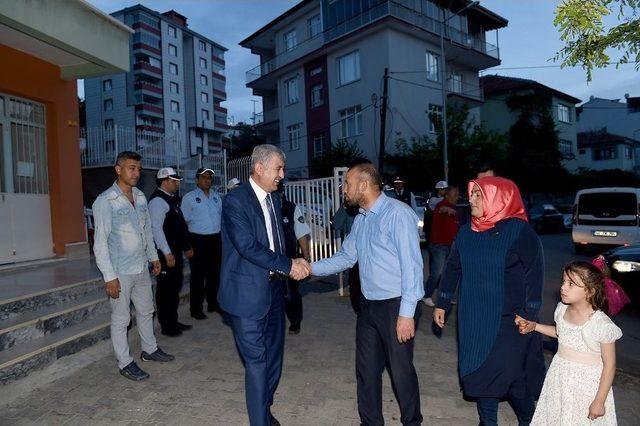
x=205, y=384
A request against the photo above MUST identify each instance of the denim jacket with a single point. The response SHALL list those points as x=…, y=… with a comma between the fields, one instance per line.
x=123, y=238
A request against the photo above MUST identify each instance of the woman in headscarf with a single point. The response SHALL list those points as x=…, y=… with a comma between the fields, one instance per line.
x=497, y=261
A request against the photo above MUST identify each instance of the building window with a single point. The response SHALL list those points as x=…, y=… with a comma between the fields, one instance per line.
x=349, y=68
x=563, y=114
x=315, y=26
x=290, y=40
x=203, y=63
x=108, y=124
x=318, y=145
x=435, y=117
x=204, y=80
x=607, y=153
x=172, y=31
x=293, y=133
x=433, y=67
x=108, y=105
x=202, y=45
x=566, y=147
x=173, y=50
x=175, y=125
x=317, y=98
x=154, y=62
x=628, y=153
x=174, y=88
x=582, y=151
x=455, y=84
x=291, y=90
x=175, y=106
x=205, y=114
x=173, y=68
x=350, y=121
x=204, y=97
x=315, y=71
x=106, y=85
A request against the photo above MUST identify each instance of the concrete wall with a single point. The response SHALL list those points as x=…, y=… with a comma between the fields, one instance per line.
x=291, y=114
x=167, y=78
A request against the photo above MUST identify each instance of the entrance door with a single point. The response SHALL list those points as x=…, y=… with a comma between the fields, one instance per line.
x=25, y=212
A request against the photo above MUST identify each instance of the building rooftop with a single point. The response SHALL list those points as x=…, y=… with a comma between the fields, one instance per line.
x=602, y=137
x=494, y=84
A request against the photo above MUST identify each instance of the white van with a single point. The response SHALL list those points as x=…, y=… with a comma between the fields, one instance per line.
x=606, y=217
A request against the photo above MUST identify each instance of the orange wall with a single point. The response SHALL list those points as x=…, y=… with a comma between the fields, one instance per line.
x=32, y=78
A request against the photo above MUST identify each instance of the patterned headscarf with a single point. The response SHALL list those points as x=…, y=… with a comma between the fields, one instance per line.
x=501, y=199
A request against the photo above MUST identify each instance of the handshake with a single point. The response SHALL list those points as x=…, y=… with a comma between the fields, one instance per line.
x=300, y=269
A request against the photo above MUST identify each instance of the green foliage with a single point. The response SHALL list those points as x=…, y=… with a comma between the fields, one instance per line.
x=340, y=154
x=243, y=143
x=587, y=39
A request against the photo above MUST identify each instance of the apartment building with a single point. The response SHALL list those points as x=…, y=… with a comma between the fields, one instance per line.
x=176, y=86
x=322, y=64
x=495, y=113
x=601, y=150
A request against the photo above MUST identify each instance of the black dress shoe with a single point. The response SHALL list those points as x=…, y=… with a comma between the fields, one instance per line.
x=172, y=332
x=199, y=316
x=294, y=330
x=273, y=421
x=183, y=327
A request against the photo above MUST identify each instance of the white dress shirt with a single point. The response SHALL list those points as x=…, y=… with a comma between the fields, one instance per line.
x=262, y=195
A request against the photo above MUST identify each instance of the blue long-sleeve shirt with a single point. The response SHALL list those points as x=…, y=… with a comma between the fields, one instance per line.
x=203, y=214
x=384, y=240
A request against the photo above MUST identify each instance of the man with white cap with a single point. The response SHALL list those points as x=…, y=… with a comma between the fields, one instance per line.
x=202, y=209
x=233, y=184
x=441, y=187
x=172, y=239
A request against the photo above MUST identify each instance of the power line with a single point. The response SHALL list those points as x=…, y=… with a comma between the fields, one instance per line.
x=523, y=67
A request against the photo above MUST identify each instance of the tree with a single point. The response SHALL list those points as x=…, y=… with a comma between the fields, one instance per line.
x=341, y=153
x=244, y=141
x=587, y=39
x=534, y=160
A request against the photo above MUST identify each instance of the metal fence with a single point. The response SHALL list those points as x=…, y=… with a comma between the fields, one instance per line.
x=239, y=168
x=99, y=147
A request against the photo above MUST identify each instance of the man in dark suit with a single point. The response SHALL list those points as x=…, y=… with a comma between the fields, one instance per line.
x=253, y=262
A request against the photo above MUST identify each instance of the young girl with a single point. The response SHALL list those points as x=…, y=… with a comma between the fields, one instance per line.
x=577, y=388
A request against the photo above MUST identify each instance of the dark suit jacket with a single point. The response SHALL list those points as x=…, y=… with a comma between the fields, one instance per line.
x=246, y=257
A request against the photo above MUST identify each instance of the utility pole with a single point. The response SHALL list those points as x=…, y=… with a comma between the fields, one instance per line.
x=383, y=119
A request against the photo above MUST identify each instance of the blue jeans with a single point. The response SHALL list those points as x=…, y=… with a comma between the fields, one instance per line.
x=488, y=410
x=437, y=259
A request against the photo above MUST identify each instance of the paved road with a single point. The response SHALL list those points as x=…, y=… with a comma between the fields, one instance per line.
x=558, y=250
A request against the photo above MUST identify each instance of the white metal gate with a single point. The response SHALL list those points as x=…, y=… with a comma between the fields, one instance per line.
x=25, y=213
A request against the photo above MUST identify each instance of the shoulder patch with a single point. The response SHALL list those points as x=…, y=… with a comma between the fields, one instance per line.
x=301, y=219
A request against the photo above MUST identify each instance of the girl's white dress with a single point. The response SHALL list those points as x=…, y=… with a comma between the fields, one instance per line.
x=574, y=374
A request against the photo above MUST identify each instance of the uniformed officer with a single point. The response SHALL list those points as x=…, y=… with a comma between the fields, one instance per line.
x=172, y=239
x=297, y=234
x=399, y=191
x=202, y=210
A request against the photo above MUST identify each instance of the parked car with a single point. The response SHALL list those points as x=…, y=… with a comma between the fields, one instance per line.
x=545, y=218
x=605, y=217
x=419, y=204
x=624, y=263
x=566, y=211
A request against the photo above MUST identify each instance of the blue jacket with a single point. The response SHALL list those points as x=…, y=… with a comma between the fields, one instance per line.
x=246, y=257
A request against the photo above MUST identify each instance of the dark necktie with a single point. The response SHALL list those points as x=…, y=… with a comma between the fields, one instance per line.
x=277, y=244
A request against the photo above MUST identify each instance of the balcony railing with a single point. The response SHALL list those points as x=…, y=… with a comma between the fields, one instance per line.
x=389, y=8
x=144, y=85
x=149, y=108
x=218, y=60
x=219, y=76
x=219, y=94
x=147, y=67
x=146, y=27
x=220, y=109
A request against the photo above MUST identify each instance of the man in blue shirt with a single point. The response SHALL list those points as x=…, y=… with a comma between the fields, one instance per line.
x=384, y=241
x=202, y=210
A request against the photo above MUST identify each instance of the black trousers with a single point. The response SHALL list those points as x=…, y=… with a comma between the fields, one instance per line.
x=377, y=347
x=205, y=271
x=355, y=293
x=293, y=302
x=169, y=284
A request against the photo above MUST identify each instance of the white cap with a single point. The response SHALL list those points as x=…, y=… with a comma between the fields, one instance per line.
x=442, y=184
x=167, y=172
x=233, y=182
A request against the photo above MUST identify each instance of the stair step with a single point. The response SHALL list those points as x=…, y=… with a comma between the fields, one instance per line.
x=36, y=354
x=36, y=301
x=31, y=325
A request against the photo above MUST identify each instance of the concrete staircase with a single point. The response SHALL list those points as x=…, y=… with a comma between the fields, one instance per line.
x=49, y=312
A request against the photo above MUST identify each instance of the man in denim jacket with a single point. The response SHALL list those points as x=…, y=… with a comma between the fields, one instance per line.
x=123, y=248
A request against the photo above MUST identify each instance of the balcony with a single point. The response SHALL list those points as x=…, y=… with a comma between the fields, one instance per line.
x=218, y=60
x=223, y=127
x=150, y=110
x=149, y=128
x=395, y=9
x=146, y=27
x=144, y=86
x=219, y=94
x=219, y=76
x=147, y=68
x=220, y=109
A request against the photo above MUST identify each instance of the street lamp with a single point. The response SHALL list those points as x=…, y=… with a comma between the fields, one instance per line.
x=443, y=23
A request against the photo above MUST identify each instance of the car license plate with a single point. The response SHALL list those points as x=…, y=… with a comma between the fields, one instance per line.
x=605, y=234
